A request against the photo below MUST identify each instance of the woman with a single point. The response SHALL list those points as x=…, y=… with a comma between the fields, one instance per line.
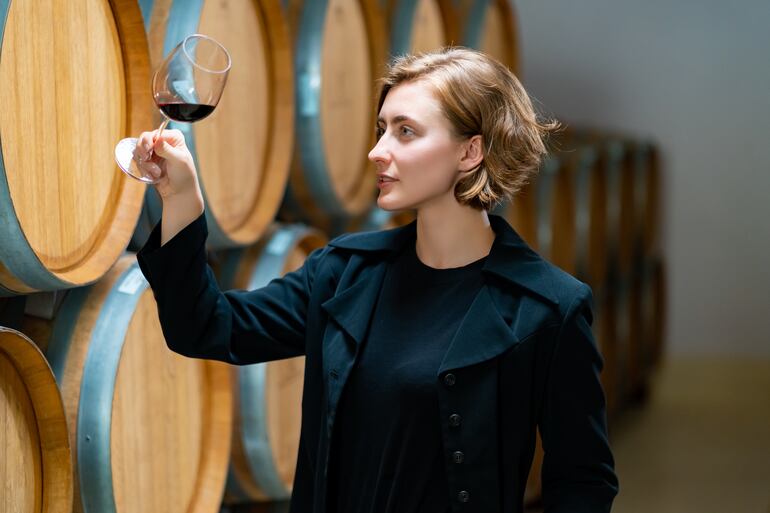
x=433, y=351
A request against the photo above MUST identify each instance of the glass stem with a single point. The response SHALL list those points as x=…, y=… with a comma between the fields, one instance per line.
x=160, y=131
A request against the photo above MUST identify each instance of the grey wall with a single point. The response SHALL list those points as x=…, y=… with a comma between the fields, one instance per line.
x=695, y=77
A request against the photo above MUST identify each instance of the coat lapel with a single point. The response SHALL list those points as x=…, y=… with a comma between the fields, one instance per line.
x=350, y=310
x=353, y=305
x=482, y=335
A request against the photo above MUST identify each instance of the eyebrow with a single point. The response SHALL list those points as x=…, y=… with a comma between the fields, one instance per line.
x=398, y=119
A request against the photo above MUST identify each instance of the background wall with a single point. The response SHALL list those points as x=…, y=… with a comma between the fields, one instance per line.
x=695, y=77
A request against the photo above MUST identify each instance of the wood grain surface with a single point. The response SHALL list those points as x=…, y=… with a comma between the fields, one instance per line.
x=428, y=31
x=37, y=470
x=170, y=418
x=500, y=35
x=232, y=143
x=67, y=96
x=346, y=94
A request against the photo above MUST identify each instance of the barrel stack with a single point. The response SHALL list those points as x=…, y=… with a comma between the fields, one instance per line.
x=96, y=409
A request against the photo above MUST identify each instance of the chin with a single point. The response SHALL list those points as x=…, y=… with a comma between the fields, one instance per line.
x=388, y=205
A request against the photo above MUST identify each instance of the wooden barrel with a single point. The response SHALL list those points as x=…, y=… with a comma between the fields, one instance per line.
x=268, y=395
x=339, y=53
x=243, y=150
x=576, y=223
x=617, y=160
x=490, y=26
x=541, y=211
x=37, y=469
x=645, y=292
x=589, y=221
x=654, y=311
x=621, y=206
x=652, y=215
x=138, y=414
x=416, y=26
x=646, y=216
x=73, y=81
x=620, y=210
x=650, y=310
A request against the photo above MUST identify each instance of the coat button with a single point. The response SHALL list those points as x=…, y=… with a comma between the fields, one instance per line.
x=449, y=379
x=458, y=456
x=454, y=420
x=463, y=496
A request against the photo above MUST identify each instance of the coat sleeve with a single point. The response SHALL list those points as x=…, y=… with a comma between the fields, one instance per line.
x=201, y=321
x=578, y=467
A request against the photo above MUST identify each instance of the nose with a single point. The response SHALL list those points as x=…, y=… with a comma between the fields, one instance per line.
x=380, y=154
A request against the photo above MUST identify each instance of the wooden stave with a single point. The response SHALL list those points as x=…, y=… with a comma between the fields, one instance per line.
x=276, y=168
x=651, y=309
x=46, y=400
x=475, y=13
x=646, y=203
x=253, y=474
x=80, y=371
x=657, y=326
x=21, y=270
x=589, y=219
x=529, y=214
x=653, y=213
x=403, y=30
x=310, y=195
x=520, y=211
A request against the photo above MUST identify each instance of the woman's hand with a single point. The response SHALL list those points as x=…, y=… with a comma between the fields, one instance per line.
x=178, y=186
x=171, y=161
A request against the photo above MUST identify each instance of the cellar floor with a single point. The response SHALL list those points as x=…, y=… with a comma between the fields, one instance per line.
x=701, y=442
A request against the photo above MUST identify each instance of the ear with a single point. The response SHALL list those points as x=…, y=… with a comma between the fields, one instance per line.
x=472, y=154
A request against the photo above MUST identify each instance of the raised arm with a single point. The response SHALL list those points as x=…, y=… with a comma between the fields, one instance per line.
x=197, y=318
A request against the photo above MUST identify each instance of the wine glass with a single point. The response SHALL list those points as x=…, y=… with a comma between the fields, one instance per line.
x=186, y=88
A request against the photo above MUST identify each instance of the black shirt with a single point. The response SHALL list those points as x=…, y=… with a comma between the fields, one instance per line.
x=386, y=454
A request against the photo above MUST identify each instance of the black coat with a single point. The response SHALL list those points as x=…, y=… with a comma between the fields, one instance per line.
x=523, y=357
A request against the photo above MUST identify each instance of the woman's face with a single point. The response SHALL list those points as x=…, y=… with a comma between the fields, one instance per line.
x=416, y=155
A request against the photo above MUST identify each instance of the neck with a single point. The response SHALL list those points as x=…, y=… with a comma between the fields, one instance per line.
x=452, y=235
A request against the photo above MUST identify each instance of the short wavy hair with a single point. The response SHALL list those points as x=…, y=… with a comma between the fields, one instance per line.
x=480, y=96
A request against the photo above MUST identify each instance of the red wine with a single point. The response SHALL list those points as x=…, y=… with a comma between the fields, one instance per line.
x=186, y=112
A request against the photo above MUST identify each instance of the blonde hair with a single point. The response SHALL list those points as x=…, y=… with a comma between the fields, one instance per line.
x=480, y=96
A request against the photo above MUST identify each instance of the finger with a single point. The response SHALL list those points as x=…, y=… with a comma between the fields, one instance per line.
x=165, y=150
x=149, y=168
x=172, y=136
x=143, y=146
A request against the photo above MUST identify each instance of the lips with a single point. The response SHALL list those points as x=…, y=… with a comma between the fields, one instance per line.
x=385, y=178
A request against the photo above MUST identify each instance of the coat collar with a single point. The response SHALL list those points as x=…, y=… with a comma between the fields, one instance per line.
x=483, y=332
x=510, y=258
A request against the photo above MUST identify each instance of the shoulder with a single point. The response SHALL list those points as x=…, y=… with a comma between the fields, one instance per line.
x=386, y=241
x=519, y=268
x=358, y=248
x=571, y=292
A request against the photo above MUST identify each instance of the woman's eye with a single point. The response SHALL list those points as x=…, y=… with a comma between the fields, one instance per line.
x=406, y=131
x=379, y=131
